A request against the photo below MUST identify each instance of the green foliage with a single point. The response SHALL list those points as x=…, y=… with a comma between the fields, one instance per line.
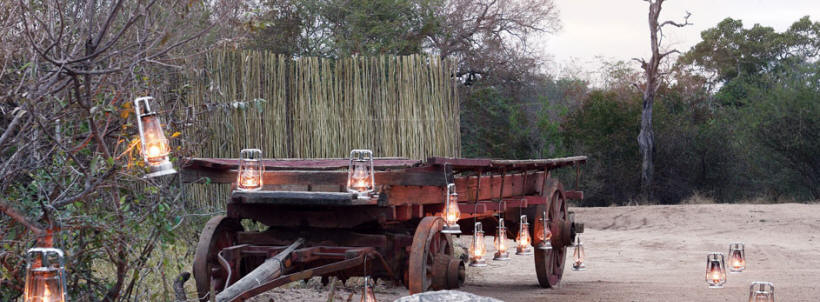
x=604, y=129
x=783, y=127
x=492, y=126
x=340, y=28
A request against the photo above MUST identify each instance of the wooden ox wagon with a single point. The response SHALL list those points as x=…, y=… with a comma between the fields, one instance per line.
x=316, y=228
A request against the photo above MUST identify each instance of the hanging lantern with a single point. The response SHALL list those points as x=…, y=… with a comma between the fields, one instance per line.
x=251, y=170
x=477, y=248
x=716, y=270
x=155, y=148
x=761, y=292
x=546, y=235
x=451, y=213
x=367, y=291
x=45, y=275
x=500, y=242
x=523, y=240
x=578, y=255
x=737, y=257
x=360, y=173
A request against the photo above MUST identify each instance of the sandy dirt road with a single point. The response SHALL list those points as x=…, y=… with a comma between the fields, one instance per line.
x=655, y=253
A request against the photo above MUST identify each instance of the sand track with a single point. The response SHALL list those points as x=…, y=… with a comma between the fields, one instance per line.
x=657, y=253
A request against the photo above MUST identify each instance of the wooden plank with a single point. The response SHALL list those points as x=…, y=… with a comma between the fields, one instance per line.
x=551, y=162
x=407, y=177
x=465, y=187
x=382, y=163
x=574, y=195
x=299, y=198
x=311, y=216
x=473, y=163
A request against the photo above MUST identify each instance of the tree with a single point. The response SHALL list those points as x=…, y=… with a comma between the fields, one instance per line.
x=488, y=38
x=737, y=60
x=340, y=28
x=69, y=165
x=652, y=75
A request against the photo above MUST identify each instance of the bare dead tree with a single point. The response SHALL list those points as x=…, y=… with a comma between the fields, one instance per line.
x=489, y=37
x=653, y=75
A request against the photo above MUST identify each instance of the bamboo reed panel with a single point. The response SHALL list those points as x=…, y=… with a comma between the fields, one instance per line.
x=402, y=106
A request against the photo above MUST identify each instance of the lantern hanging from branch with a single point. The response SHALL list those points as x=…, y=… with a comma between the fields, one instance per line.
x=545, y=235
x=155, y=147
x=715, y=270
x=45, y=275
x=451, y=212
x=578, y=255
x=761, y=292
x=251, y=170
x=737, y=257
x=523, y=240
x=500, y=242
x=477, y=248
x=360, y=175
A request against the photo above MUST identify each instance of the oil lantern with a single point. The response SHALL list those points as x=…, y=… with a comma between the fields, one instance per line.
x=477, y=248
x=360, y=173
x=761, y=292
x=500, y=242
x=451, y=212
x=251, y=170
x=546, y=235
x=715, y=270
x=523, y=241
x=578, y=255
x=45, y=275
x=367, y=291
x=155, y=148
x=737, y=257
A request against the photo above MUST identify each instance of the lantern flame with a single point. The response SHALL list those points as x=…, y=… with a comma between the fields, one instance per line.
x=716, y=270
x=360, y=173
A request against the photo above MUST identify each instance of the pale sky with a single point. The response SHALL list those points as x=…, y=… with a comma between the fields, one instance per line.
x=618, y=30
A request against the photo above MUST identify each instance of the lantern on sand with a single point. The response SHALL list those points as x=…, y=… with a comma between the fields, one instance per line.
x=737, y=257
x=761, y=292
x=715, y=270
x=451, y=212
x=155, y=148
x=367, y=291
x=45, y=275
x=251, y=170
x=523, y=240
x=360, y=173
x=578, y=255
x=477, y=248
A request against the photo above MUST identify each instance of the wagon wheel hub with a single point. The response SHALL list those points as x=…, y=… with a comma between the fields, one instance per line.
x=431, y=254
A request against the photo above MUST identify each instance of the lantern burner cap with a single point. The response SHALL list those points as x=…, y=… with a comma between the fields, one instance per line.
x=451, y=229
x=165, y=168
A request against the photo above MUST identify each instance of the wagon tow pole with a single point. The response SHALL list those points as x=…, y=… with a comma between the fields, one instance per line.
x=271, y=269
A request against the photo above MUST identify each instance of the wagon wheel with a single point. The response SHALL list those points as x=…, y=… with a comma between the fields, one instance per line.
x=220, y=232
x=428, y=245
x=549, y=264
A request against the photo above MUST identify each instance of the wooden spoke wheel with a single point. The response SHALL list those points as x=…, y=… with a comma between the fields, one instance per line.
x=428, y=245
x=220, y=232
x=549, y=264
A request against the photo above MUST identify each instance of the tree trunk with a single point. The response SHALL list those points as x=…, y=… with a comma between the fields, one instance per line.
x=646, y=144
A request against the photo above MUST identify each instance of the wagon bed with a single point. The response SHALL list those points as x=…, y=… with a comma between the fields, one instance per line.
x=398, y=229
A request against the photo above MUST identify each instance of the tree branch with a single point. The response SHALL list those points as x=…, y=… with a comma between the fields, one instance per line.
x=20, y=218
x=17, y=118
